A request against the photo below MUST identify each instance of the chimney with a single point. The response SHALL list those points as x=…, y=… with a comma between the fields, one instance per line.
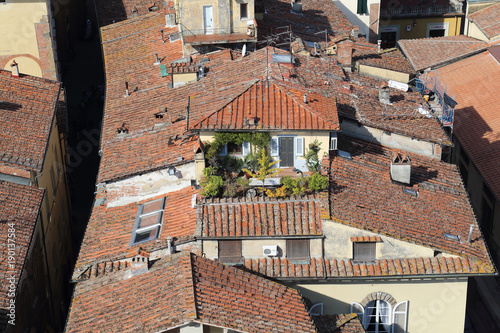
x=401, y=168
x=139, y=265
x=15, y=69
x=379, y=44
x=355, y=31
x=297, y=6
x=305, y=98
x=127, y=94
x=384, y=94
x=344, y=53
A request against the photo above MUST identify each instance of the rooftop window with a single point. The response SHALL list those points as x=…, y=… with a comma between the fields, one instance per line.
x=148, y=221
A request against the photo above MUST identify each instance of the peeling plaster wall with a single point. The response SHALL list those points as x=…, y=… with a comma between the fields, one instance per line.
x=338, y=244
x=153, y=184
x=391, y=140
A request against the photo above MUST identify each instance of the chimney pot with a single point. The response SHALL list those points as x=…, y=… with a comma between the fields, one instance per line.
x=384, y=94
x=305, y=98
x=15, y=69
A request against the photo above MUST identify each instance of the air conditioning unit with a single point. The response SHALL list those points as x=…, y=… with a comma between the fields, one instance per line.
x=270, y=250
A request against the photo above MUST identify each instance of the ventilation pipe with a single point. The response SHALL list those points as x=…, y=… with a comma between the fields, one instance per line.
x=379, y=44
x=469, y=238
x=305, y=98
x=127, y=94
x=15, y=69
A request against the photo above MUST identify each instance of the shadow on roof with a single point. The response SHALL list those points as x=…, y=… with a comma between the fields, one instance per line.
x=10, y=106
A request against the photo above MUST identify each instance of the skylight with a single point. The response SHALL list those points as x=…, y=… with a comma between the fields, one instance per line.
x=148, y=221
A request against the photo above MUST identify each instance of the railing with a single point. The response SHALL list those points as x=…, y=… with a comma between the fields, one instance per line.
x=211, y=35
x=444, y=102
x=421, y=10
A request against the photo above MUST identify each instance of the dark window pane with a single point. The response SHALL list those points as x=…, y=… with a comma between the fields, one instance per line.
x=142, y=236
x=297, y=248
x=364, y=251
x=243, y=10
x=233, y=148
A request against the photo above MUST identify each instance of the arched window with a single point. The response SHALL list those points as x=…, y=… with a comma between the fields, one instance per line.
x=380, y=313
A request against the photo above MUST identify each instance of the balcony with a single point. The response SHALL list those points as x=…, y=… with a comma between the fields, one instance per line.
x=421, y=11
x=220, y=35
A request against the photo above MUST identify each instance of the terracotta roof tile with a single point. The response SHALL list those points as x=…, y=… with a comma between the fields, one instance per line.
x=366, y=239
x=27, y=108
x=109, y=230
x=441, y=205
x=256, y=217
x=391, y=59
x=339, y=323
x=19, y=205
x=271, y=106
x=282, y=268
x=487, y=20
x=182, y=288
x=433, y=52
x=476, y=82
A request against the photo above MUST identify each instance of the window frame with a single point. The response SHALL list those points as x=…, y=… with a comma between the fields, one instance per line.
x=138, y=219
x=241, y=12
x=234, y=259
x=356, y=249
x=395, y=310
x=298, y=259
x=362, y=7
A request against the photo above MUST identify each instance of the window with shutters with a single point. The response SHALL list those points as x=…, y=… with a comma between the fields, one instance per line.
x=230, y=252
x=148, y=221
x=362, y=7
x=364, y=251
x=297, y=249
x=235, y=149
x=380, y=316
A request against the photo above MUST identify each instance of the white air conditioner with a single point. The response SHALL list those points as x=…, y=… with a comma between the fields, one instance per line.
x=270, y=250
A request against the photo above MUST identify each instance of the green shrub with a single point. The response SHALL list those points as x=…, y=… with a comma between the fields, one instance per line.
x=317, y=182
x=294, y=186
x=211, y=184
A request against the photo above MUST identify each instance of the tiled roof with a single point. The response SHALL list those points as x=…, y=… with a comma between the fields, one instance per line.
x=392, y=59
x=441, y=204
x=433, y=52
x=487, y=20
x=357, y=98
x=27, y=109
x=319, y=268
x=111, y=11
x=339, y=323
x=110, y=229
x=149, y=142
x=19, y=205
x=259, y=217
x=316, y=16
x=476, y=83
x=272, y=107
x=183, y=288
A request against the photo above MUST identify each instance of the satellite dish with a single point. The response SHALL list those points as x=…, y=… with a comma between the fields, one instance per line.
x=244, y=50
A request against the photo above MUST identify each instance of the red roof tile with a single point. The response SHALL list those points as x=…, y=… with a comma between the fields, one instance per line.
x=109, y=230
x=433, y=52
x=441, y=206
x=20, y=206
x=476, y=83
x=183, y=288
x=487, y=20
x=366, y=239
x=110, y=11
x=319, y=268
x=392, y=59
x=339, y=323
x=27, y=109
x=259, y=217
x=271, y=107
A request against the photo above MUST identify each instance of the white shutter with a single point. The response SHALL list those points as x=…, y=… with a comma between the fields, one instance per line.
x=299, y=146
x=275, y=148
x=223, y=151
x=359, y=310
x=316, y=309
x=333, y=141
x=400, y=317
x=245, y=148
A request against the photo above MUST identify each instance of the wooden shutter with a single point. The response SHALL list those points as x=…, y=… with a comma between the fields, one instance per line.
x=246, y=148
x=275, y=151
x=364, y=251
x=230, y=251
x=299, y=146
x=297, y=249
